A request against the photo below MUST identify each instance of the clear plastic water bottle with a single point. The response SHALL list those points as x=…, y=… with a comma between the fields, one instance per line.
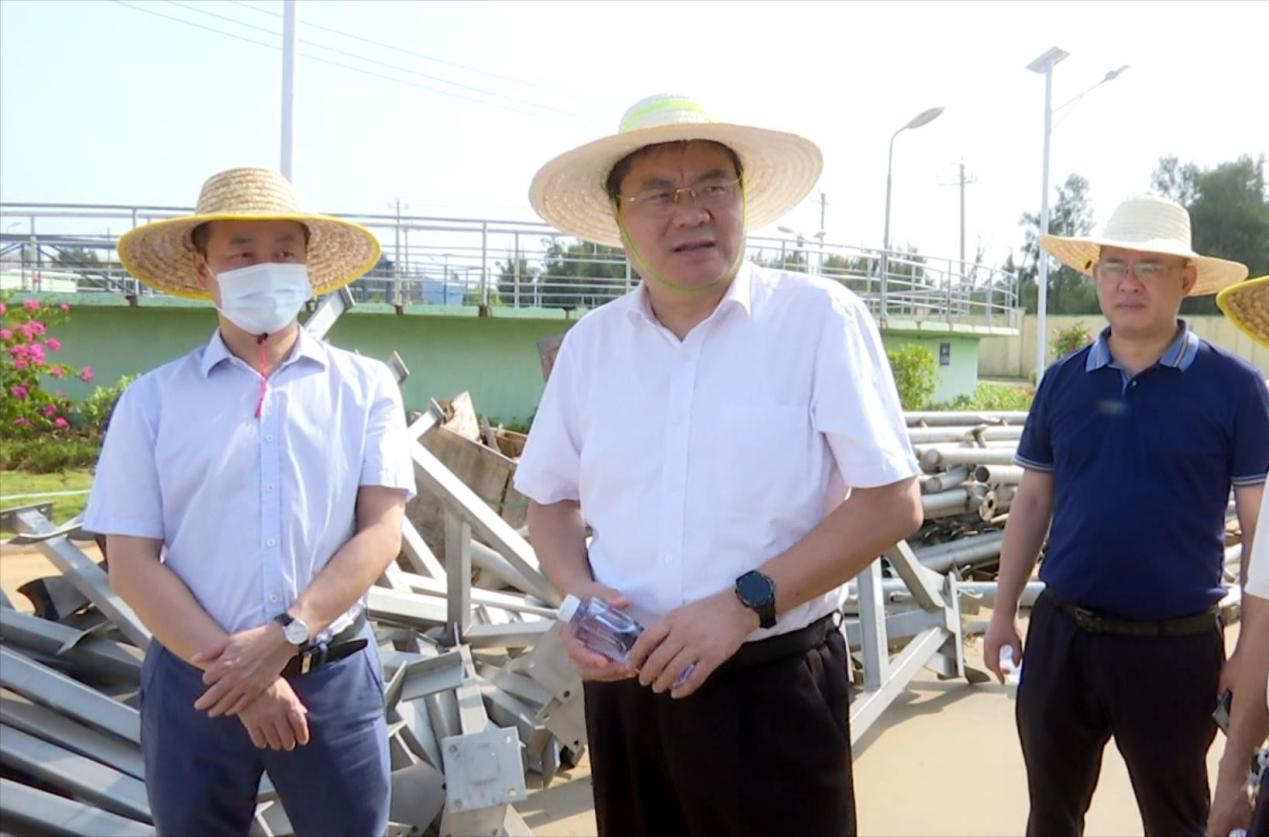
x=600, y=627
x=1010, y=669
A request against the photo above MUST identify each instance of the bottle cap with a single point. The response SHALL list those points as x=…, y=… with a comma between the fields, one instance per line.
x=568, y=607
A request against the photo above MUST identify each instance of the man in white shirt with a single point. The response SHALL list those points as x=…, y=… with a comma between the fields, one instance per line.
x=733, y=439
x=1247, y=305
x=250, y=493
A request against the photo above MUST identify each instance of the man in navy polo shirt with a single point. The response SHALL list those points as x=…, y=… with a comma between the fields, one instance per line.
x=1130, y=450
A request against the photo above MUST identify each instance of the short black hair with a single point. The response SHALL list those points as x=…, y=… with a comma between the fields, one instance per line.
x=199, y=235
x=622, y=167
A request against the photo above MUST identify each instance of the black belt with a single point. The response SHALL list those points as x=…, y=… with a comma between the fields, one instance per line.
x=317, y=654
x=1087, y=620
x=776, y=647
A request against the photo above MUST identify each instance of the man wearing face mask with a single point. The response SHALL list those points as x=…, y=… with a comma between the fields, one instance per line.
x=250, y=493
x=732, y=436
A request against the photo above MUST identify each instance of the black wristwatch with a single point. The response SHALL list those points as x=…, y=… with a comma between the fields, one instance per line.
x=757, y=592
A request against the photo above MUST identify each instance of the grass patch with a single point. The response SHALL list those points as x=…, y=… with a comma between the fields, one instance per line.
x=13, y=483
x=989, y=396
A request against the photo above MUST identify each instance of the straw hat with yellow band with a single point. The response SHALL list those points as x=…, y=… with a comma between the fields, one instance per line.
x=1147, y=224
x=779, y=168
x=1247, y=306
x=161, y=253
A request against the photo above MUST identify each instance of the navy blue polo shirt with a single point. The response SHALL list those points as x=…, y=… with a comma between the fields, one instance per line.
x=1142, y=467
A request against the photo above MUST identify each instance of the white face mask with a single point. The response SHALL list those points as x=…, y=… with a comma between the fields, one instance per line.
x=265, y=297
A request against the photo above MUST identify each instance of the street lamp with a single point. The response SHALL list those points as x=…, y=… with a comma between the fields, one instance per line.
x=802, y=239
x=925, y=117
x=1045, y=64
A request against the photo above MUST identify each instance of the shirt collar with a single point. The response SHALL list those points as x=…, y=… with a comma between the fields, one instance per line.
x=739, y=293
x=1179, y=354
x=306, y=347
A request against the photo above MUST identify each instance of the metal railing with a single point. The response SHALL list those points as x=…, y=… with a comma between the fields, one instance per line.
x=471, y=262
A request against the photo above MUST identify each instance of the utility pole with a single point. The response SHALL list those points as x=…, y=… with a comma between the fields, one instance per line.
x=288, y=85
x=823, y=209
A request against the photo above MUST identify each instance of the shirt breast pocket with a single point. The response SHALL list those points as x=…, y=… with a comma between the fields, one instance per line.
x=770, y=463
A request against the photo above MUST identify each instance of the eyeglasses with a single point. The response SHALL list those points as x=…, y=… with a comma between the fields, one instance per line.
x=1144, y=271
x=708, y=194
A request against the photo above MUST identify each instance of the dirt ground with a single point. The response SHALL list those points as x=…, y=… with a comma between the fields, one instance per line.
x=943, y=760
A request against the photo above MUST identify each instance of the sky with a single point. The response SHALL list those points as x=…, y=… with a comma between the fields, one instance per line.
x=452, y=107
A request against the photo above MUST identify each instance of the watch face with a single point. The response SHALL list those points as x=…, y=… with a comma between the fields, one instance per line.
x=755, y=589
x=296, y=632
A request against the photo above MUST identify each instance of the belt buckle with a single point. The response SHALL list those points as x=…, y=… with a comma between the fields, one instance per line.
x=306, y=661
x=1084, y=618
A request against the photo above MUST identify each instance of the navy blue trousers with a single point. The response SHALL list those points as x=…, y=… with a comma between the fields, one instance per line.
x=202, y=774
x=1155, y=696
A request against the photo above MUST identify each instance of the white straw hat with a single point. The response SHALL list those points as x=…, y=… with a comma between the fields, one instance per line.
x=1247, y=306
x=779, y=168
x=161, y=253
x=1148, y=224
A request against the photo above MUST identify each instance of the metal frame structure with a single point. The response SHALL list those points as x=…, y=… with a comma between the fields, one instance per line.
x=472, y=262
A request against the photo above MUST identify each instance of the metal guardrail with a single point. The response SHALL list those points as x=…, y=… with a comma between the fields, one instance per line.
x=482, y=262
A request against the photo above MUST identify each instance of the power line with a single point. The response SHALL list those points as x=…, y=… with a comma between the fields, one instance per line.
x=361, y=57
x=361, y=70
x=421, y=55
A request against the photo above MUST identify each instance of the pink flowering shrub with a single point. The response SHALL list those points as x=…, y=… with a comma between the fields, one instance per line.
x=26, y=349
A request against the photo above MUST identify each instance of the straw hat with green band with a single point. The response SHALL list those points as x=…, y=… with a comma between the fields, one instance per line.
x=779, y=168
x=161, y=253
x=1247, y=306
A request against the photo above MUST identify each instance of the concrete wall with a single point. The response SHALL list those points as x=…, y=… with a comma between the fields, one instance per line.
x=1014, y=357
x=960, y=375
x=495, y=358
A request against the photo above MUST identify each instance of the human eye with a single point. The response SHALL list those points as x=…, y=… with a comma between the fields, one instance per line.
x=1149, y=270
x=656, y=197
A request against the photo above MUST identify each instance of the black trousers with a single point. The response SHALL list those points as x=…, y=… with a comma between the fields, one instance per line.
x=1154, y=696
x=757, y=751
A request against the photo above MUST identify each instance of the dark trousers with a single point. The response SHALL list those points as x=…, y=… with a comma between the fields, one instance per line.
x=757, y=751
x=202, y=773
x=1155, y=696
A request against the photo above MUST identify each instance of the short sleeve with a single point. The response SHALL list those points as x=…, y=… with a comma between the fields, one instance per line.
x=550, y=466
x=1035, y=448
x=1249, y=456
x=126, y=498
x=387, y=461
x=854, y=402
x=1258, y=566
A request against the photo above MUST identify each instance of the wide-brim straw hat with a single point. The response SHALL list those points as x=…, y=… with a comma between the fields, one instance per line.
x=1247, y=306
x=161, y=253
x=779, y=168
x=1147, y=224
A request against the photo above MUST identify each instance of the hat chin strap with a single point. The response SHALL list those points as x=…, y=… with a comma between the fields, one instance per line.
x=646, y=271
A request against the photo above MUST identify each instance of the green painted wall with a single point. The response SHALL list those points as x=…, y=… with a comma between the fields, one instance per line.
x=447, y=351
x=960, y=376
x=495, y=358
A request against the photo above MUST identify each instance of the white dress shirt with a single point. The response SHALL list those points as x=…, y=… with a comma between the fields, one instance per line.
x=696, y=461
x=250, y=510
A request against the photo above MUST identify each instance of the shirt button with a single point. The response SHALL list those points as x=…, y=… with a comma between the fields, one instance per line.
x=269, y=438
x=270, y=542
x=268, y=487
x=273, y=598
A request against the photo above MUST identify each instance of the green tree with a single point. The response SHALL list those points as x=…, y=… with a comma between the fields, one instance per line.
x=914, y=375
x=1229, y=213
x=508, y=272
x=76, y=258
x=853, y=273
x=580, y=274
x=1070, y=292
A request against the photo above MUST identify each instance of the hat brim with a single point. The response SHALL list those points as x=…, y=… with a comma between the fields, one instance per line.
x=780, y=169
x=1081, y=253
x=1246, y=304
x=161, y=253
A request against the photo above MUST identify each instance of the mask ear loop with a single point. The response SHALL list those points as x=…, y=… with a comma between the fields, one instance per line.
x=648, y=273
